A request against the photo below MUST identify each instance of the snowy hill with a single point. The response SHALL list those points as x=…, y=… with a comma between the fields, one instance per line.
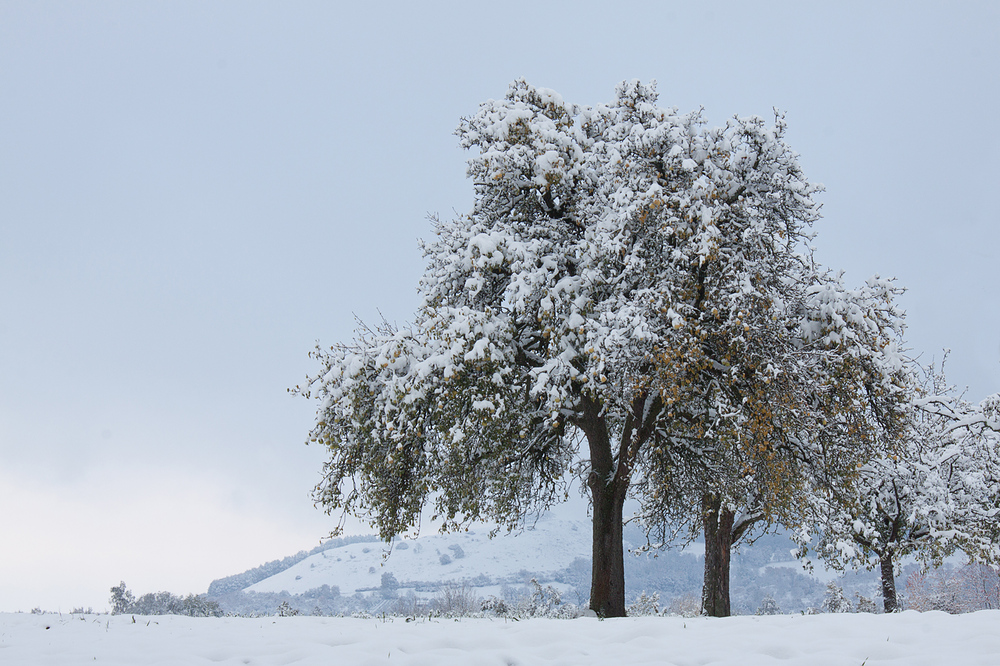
x=347, y=576
x=428, y=562
x=359, y=574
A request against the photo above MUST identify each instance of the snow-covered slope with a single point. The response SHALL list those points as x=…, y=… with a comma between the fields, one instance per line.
x=428, y=561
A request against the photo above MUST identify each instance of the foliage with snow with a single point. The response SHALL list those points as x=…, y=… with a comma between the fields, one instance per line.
x=768, y=606
x=632, y=281
x=937, y=493
x=835, y=601
x=645, y=604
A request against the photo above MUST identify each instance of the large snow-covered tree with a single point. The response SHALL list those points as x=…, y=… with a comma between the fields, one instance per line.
x=937, y=493
x=631, y=299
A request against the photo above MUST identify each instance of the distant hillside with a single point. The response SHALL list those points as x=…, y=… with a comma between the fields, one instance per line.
x=241, y=581
x=358, y=573
x=427, y=563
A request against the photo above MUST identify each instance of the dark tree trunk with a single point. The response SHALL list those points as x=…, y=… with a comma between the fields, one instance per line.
x=607, y=582
x=608, y=488
x=718, y=527
x=889, y=601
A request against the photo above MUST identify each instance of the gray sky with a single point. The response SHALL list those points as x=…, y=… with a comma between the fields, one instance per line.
x=192, y=194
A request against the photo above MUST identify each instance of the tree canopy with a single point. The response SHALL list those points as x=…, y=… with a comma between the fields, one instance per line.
x=632, y=299
x=937, y=493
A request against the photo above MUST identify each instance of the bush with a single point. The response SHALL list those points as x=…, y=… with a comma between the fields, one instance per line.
x=768, y=606
x=835, y=601
x=285, y=610
x=456, y=599
x=410, y=605
x=864, y=605
x=645, y=604
x=495, y=606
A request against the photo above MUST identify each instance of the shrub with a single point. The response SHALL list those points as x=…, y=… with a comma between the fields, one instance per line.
x=835, y=601
x=768, y=606
x=645, y=604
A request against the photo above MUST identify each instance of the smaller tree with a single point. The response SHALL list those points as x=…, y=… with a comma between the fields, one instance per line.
x=940, y=492
x=768, y=606
x=122, y=599
x=285, y=609
x=835, y=601
x=828, y=400
x=390, y=586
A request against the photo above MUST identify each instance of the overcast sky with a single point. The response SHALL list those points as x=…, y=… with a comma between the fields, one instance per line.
x=193, y=193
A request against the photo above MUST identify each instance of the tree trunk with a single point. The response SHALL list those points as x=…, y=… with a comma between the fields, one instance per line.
x=607, y=582
x=889, y=601
x=718, y=528
x=607, y=490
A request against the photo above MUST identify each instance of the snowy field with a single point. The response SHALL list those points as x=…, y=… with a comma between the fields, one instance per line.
x=907, y=638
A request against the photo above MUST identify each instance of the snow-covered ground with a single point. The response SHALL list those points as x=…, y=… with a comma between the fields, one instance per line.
x=909, y=638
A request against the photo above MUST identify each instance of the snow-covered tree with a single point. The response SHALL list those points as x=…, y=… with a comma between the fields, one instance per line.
x=768, y=606
x=835, y=405
x=940, y=492
x=632, y=299
x=835, y=601
x=122, y=599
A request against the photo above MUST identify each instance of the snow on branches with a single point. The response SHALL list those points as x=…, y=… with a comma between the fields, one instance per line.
x=937, y=492
x=630, y=279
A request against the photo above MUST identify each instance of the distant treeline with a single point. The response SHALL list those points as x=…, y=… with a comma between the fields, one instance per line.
x=124, y=602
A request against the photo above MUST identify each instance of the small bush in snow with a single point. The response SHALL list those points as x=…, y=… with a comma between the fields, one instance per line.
x=686, y=606
x=768, y=606
x=457, y=600
x=541, y=602
x=495, y=606
x=835, y=601
x=645, y=604
x=285, y=610
x=863, y=604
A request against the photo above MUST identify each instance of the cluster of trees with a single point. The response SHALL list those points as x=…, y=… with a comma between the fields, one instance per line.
x=954, y=589
x=633, y=300
x=323, y=600
x=123, y=601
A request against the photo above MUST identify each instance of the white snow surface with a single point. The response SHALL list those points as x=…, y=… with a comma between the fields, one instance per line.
x=546, y=547
x=908, y=638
